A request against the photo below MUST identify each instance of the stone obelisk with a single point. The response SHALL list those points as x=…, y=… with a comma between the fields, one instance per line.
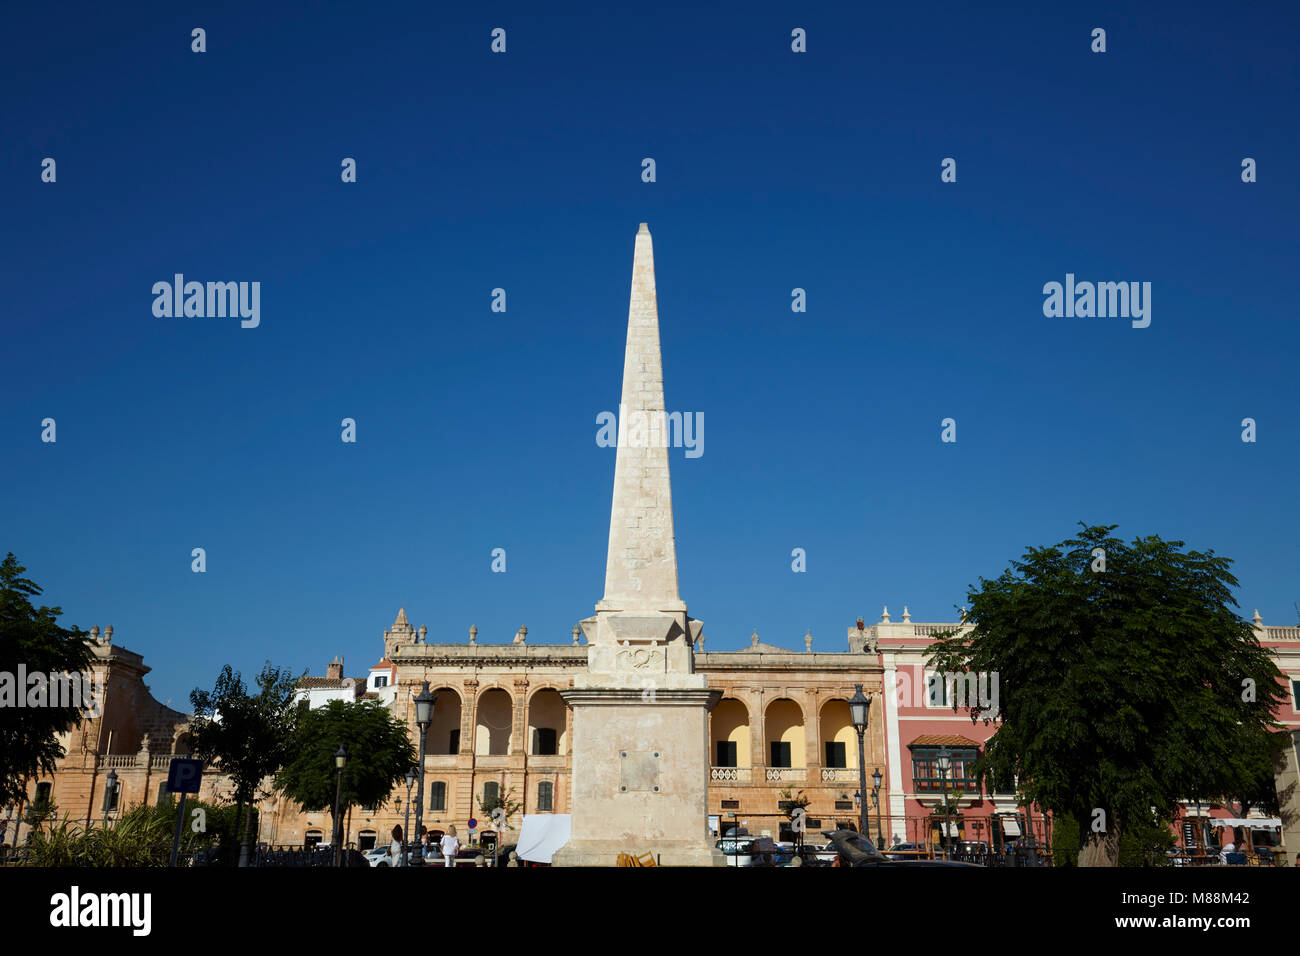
x=640, y=712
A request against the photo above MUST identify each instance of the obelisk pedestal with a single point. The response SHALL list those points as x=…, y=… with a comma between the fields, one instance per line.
x=640, y=760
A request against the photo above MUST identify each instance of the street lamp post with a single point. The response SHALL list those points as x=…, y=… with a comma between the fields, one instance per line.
x=406, y=821
x=340, y=761
x=860, y=713
x=424, y=702
x=875, y=799
x=945, y=764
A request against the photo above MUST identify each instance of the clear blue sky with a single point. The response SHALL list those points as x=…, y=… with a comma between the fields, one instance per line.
x=477, y=429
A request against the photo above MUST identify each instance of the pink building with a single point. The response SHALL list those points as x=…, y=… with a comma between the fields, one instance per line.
x=920, y=725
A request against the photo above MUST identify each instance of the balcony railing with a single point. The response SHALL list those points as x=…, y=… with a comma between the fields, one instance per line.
x=769, y=774
x=730, y=774
x=839, y=773
x=548, y=761
x=786, y=774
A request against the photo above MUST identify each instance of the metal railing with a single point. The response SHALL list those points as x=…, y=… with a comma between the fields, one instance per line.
x=299, y=856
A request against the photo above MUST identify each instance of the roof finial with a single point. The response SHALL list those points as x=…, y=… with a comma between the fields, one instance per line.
x=473, y=634
x=807, y=641
x=753, y=640
x=907, y=617
x=884, y=615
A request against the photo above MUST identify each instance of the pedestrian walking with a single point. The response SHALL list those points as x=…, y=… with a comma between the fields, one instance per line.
x=450, y=846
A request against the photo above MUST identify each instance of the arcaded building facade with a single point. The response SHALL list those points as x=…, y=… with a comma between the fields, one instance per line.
x=782, y=724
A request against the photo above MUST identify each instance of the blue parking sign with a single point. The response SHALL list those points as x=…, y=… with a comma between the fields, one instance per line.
x=184, y=775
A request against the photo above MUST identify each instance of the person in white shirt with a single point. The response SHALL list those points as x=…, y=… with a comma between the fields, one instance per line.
x=450, y=846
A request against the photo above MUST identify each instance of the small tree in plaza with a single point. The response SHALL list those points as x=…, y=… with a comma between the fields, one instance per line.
x=247, y=736
x=378, y=748
x=499, y=808
x=795, y=809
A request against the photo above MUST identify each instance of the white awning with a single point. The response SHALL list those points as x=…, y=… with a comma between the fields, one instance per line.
x=1263, y=823
x=541, y=835
x=948, y=829
x=1010, y=827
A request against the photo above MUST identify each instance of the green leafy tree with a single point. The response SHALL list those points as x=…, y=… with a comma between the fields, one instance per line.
x=1259, y=758
x=379, y=753
x=499, y=808
x=31, y=636
x=247, y=736
x=795, y=809
x=1126, y=681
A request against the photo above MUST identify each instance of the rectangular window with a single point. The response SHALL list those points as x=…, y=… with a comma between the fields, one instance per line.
x=731, y=804
x=438, y=795
x=726, y=753
x=1295, y=696
x=491, y=791
x=544, y=742
x=43, y=793
x=381, y=682
x=835, y=754
x=780, y=753
x=936, y=689
x=925, y=769
x=545, y=796
x=453, y=745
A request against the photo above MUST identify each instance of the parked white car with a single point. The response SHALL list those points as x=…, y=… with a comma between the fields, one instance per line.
x=823, y=851
x=739, y=850
x=378, y=856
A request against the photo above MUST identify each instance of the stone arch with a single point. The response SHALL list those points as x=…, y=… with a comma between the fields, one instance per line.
x=729, y=723
x=836, y=726
x=444, y=731
x=783, y=720
x=494, y=717
x=547, y=711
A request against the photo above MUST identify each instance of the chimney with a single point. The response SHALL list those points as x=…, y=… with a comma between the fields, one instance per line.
x=335, y=669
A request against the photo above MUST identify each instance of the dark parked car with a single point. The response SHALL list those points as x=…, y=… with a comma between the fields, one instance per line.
x=856, y=850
